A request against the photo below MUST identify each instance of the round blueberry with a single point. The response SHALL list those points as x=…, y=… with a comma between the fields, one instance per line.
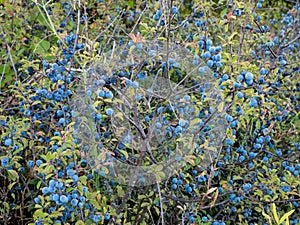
x=39, y=162
x=8, y=142
x=108, y=94
x=30, y=163
x=109, y=111
x=37, y=200
x=63, y=199
x=106, y=216
x=101, y=93
x=135, y=85
x=174, y=186
x=249, y=76
x=4, y=162
x=74, y=202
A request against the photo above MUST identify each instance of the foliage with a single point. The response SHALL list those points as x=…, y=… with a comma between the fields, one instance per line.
x=252, y=49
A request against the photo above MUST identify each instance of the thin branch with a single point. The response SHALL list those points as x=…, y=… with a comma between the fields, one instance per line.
x=86, y=21
x=291, y=42
x=187, y=19
x=138, y=20
x=261, y=31
x=161, y=204
x=241, y=42
x=107, y=27
x=151, y=216
x=78, y=26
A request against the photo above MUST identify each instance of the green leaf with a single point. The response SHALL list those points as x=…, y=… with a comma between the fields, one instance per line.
x=130, y=3
x=286, y=216
x=94, y=203
x=158, y=168
x=237, y=178
x=83, y=179
x=42, y=20
x=145, y=204
x=13, y=175
x=257, y=124
x=195, y=122
x=39, y=184
x=45, y=45
x=160, y=175
x=226, y=27
x=80, y=222
x=4, y=68
x=141, y=196
x=257, y=209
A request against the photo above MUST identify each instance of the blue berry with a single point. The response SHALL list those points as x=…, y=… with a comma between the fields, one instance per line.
x=229, y=118
x=30, y=163
x=240, y=95
x=63, y=199
x=8, y=142
x=249, y=76
x=101, y=93
x=45, y=190
x=39, y=162
x=4, y=162
x=106, y=216
x=204, y=219
x=74, y=202
x=253, y=103
x=108, y=94
x=135, y=85
x=174, y=186
x=109, y=111
x=210, y=63
x=37, y=200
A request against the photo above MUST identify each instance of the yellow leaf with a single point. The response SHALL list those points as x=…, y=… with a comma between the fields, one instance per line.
x=211, y=190
x=227, y=82
x=275, y=213
x=131, y=49
x=162, y=39
x=286, y=216
x=267, y=217
x=215, y=198
x=124, y=153
x=221, y=106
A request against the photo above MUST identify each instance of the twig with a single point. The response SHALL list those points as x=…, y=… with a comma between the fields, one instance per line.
x=10, y=56
x=182, y=218
x=291, y=42
x=241, y=42
x=151, y=216
x=261, y=31
x=78, y=26
x=107, y=27
x=187, y=19
x=161, y=204
x=86, y=21
x=138, y=20
x=2, y=75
